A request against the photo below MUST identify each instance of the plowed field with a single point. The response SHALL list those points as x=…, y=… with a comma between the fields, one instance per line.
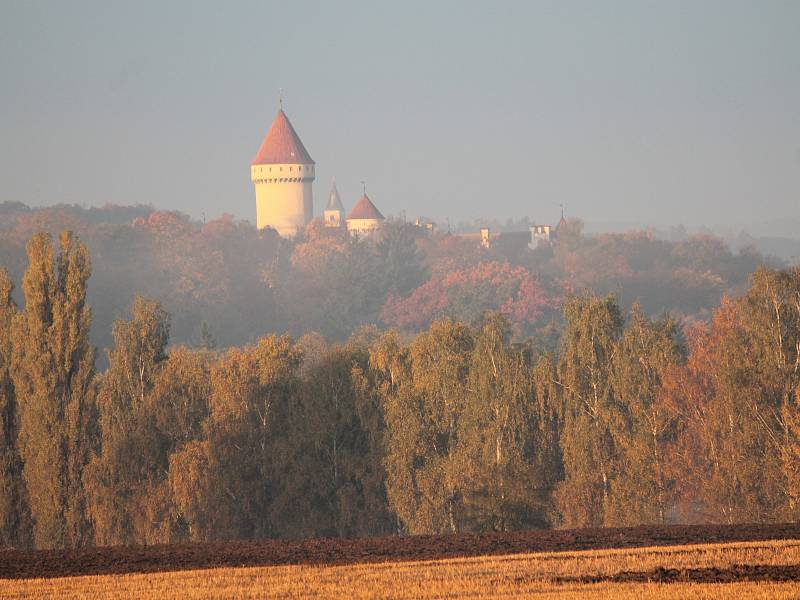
x=741, y=570
x=17, y=564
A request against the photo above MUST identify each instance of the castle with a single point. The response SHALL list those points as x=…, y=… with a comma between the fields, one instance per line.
x=283, y=172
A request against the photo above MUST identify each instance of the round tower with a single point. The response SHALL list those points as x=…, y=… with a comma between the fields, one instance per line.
x=282, y=173
x=365, y=218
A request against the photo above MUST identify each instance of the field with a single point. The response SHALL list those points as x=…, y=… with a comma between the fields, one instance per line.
x=678, y=562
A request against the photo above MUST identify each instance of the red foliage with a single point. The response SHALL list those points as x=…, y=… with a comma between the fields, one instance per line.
x=686, y=391
x=467, y=293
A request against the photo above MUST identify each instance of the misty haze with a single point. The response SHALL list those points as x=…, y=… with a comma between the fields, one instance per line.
x=400, y=300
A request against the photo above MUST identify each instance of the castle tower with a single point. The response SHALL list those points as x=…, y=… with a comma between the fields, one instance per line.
x=365, y=218
x=282, y=173
x=334, y=211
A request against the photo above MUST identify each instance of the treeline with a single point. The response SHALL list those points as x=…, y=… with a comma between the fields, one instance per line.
x=457, y=428
x=227, y=284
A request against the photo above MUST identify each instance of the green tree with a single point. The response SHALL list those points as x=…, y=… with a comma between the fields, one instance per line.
x=585, y=374
x=53, y=371
x=501, y=436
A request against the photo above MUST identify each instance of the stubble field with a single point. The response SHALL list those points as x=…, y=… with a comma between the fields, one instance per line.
x=678, y=562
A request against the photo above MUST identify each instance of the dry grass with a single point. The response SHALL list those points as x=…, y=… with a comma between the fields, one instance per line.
x=512, y=576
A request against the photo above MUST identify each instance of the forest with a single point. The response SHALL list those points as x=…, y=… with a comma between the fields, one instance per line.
x=227, y=284
x=424, y=385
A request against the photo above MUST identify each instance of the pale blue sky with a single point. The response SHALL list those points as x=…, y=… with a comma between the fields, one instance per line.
x=643, y=112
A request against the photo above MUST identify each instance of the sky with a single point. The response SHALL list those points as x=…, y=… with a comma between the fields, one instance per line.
x=626, y=112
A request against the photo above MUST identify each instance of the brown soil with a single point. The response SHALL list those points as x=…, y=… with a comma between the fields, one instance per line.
x=15, y=564
x=704, y=575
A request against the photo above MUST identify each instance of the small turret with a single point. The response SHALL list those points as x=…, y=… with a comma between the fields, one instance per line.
x=365, y=218
x=334, y=211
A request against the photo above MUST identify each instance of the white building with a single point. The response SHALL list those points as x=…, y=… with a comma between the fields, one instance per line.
x=282, y=172
x=365, y=218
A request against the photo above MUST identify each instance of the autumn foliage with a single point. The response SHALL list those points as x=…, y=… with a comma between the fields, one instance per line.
x=461, y=417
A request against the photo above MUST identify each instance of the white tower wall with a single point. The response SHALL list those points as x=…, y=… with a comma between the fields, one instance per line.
x=284, y=198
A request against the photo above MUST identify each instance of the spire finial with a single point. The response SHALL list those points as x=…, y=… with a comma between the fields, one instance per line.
x=562, y=210
x=364, y=187
x=280, y=97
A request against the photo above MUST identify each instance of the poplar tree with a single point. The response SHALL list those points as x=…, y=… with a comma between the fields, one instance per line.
x=175, y=410
x=14, y=513
x=53, y=370
x=585, y=375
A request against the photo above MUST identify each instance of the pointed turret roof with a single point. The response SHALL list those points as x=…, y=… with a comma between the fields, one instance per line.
x=334, y=202
x=365, y=209
x=282, y=145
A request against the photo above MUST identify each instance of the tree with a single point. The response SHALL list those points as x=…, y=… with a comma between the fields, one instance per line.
x=466, y=294
x=245, y=448
x=500, y=436
x=756, y=376
x=588, y=403
x=644, y=429
x=333, y=482
x=739, y=386
x=14, y=513
x=117, y=476
x=791, y=452
x=335, y=286
x=53, y=371
x=426, y=386
x=401, y=263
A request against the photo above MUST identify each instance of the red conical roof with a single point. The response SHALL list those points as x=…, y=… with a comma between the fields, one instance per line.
x=282, y=145
x=365, y=209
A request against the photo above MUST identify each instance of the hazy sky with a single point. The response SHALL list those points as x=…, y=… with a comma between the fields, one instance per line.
x=662, y=112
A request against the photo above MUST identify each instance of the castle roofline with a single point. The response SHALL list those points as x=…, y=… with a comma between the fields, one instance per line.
x=282, y=145
x=365, y=209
